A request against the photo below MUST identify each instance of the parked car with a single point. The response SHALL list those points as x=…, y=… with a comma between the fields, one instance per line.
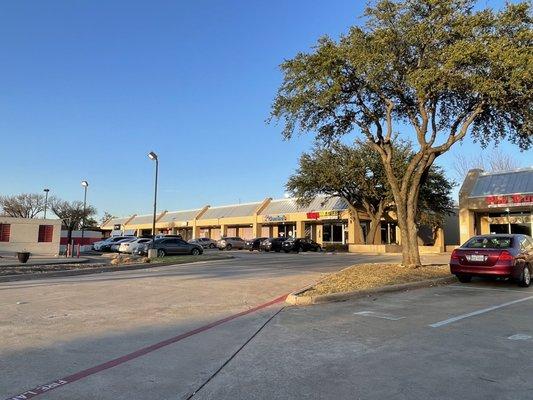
x=206, y=243
x=506, y=256
x=105, y=245
x=228, y=243
x=300, y=244
x=162, y=235
x=115, y=246
x=254, y=244
x=169, y=246
x=272, y=244
x=129, y=247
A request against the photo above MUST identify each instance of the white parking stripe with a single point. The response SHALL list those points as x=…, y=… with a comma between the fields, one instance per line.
x=390, y=317
x=474, y=313
x=491, y=289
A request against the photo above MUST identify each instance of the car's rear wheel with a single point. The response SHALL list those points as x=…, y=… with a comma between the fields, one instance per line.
x=464, y=278
x=525, y=279
x=212, y=246
x=195, y=252
x=161, y=253
x=228, y=247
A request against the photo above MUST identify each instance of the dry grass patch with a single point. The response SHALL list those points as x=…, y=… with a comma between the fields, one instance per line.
x=369, y=276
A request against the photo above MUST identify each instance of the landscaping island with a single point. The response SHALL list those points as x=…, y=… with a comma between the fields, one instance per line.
x=363, y=279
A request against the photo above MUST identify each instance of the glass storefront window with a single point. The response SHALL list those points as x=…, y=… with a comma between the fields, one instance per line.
x=337, y=233
x=326, y=233
x=332, y=233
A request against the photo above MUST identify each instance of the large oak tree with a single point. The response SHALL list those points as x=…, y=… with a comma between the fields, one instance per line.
x=356, y=173
x=437, y=66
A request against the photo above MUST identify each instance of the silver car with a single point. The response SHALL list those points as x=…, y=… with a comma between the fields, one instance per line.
x=129, y=247
x=206, y=243
x=228, y=243
x=115, y=246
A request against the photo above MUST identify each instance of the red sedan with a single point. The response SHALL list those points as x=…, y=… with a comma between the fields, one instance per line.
x=505, y=256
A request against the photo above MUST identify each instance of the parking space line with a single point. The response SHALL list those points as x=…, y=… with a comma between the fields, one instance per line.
x=390, y=317
x=490, y=289
x=478, y=312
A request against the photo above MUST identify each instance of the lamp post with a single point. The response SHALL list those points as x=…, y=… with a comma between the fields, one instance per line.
x=45, y=201
x=85, y=185
x=152, y=156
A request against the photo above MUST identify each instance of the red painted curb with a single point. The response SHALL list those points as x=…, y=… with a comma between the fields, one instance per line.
x=28, y=394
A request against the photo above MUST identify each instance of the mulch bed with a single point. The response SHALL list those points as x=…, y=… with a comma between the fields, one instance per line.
x=369, y=276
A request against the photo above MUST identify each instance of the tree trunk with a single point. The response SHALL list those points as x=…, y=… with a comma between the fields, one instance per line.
x=375, y=224
x=357, y=223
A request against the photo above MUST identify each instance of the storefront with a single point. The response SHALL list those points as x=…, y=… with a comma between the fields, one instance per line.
x=326, y=220
x=496, y=203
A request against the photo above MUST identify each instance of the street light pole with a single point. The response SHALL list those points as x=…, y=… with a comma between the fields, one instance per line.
x=85, y=185
x=152, y=156
x=45, y=201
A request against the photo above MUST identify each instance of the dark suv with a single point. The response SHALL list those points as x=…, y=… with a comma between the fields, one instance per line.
x=171, y=245
x=254, y=244
x=298, y=245
x=272, y=244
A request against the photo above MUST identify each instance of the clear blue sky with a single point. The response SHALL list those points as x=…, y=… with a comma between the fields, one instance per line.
x=88, y=88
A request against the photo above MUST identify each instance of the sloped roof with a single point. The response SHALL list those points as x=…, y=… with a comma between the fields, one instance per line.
x=286, y=206
x=235, y=210
x=502, y=183
x=180, y=216
x=116, y=221
x=142, y=219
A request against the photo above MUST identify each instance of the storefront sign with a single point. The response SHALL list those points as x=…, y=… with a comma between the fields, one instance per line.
x=117, y=227
x=275, y=218
x=323, y=215
x=512, y=200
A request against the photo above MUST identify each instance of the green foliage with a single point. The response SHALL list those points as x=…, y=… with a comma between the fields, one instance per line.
x=356, y=173
x=436, y=64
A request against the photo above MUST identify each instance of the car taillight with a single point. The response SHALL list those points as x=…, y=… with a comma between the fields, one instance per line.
x=455, y=255
x=505, y=256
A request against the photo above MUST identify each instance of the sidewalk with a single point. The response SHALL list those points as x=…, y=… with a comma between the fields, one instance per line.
x=12, y=260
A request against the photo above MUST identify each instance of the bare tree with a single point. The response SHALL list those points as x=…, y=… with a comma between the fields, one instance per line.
x=72, y=214
x=25, y=205
x=496, y=161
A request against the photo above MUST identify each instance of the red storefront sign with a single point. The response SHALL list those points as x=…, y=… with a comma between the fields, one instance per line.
x=511, y=200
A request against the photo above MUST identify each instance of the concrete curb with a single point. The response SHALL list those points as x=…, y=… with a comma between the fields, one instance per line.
x=74, y=272
x=296, y=300
x=59, y=261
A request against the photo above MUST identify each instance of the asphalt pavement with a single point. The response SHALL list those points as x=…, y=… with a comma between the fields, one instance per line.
x=164, y=333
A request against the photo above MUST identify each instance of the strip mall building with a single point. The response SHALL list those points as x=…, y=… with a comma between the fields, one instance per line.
x=327, y=221
x=496, y=203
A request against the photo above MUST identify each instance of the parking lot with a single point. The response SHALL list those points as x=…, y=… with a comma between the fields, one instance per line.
x=473, y=340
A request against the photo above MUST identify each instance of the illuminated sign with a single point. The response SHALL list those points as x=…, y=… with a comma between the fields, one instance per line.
x=323, y=215
x=117, y=227
x=275, y=218
x=511, y=200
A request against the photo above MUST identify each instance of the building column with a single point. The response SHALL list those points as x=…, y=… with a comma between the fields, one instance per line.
x=484, y=226
x=223, y=230
x=256, y=230
x=398, y=235
x=466, y=224
x=195, y=231
x=319, y=237
x=300, y=229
